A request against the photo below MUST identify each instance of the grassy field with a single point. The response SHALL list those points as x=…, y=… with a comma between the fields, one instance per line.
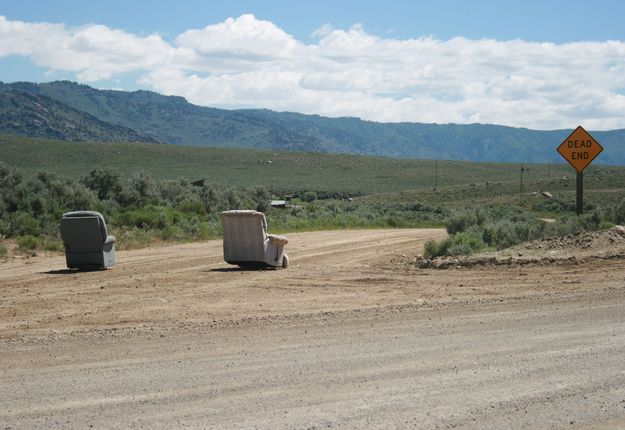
x=296, y=171
x=494, y=204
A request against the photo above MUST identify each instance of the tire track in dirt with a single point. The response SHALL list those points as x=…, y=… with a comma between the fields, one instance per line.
x=189, y=282
x=353, y=335
x=479, y=366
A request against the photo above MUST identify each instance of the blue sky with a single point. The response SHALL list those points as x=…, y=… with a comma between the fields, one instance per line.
x=538, y=64
x=543, y=20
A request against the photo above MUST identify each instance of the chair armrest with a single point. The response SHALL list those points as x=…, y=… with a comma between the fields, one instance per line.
x=110, y=239
x=277, y=240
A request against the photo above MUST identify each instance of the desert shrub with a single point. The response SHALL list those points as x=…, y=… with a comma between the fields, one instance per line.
x=309, y=196
x=192, y=205
x=24, y=224
x=465, y=243
x=592, y=220
x=599, y=218
x=107, y=207
x=52, y=245
x=104, y=182
x=553, y=205
x=171, y=232
x=174, y=192
x=148, y=217
x=5, y=225
x=144, y=185
x=434, y=249
x=506, y=233
x=261, y=199
x=45, y=198
x=430, y=249
x=460, y=221
x=212, y=199
x=204, y=232
x=140, y=190
x=3, y=250
x=564, y=226
x=460, y=249
x=232, y=201
x=495, y=226
x=128, y=197
x=33, y=202
x=28, y=243
x=140, y=218
x=618, y=213
x=507, y=212
x=10, y=180
x=134, y=238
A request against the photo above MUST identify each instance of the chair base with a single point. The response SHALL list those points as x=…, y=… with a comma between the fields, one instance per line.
x=87, y=267
x=252, y=264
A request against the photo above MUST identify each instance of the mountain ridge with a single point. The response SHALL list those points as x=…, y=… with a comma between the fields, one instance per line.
x=40, y=116
x=171, y=119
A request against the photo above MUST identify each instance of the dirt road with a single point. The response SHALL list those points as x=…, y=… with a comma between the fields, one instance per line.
x=353, y=335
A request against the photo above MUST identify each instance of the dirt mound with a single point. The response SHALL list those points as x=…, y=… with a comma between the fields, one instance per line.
x=605, y=244
x=596, y=242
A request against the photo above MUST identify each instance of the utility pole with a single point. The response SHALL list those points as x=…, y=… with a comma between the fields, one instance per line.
x=548, y=171
x=521, y=186
x=435, y=174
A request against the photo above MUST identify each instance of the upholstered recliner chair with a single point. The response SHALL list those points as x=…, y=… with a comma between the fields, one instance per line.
x=246, y=242
x=87, y=243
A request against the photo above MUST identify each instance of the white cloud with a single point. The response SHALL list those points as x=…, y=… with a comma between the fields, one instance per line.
x=246, y=62
x=245, y=37
x=93, y=52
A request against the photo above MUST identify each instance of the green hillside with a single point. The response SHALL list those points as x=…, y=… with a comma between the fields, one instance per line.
x=284, y=171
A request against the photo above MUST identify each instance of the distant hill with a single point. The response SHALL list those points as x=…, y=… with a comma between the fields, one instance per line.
x=171, y=119
x=39, y=116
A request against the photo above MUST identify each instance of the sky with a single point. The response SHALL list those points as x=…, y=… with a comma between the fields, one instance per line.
x=540, y=64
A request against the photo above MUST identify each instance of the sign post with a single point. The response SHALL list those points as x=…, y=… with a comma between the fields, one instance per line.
x=579, y=149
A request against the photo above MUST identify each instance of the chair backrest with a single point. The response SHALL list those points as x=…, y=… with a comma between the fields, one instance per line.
x=83, y=231
x=244, y=234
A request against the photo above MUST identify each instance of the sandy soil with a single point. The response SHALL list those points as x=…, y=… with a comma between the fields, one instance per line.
x=353, y=335
x=187, y=284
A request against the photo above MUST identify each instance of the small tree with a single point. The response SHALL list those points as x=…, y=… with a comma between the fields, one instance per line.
x=104, y=182
x=232, y=200
x=619, y=213
x=261, y=198
x=10, y=179
x=141, y=189
x=211, y=198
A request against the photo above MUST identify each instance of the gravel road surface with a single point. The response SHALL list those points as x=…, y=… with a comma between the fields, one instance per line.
x=353, y=335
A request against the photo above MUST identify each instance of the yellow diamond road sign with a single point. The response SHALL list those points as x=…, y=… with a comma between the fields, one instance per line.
x=579, y=149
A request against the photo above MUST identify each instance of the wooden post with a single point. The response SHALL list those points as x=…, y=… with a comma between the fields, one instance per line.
x=579, y=201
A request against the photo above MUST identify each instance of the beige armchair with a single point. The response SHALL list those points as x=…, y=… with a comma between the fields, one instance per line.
x=246, y=242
